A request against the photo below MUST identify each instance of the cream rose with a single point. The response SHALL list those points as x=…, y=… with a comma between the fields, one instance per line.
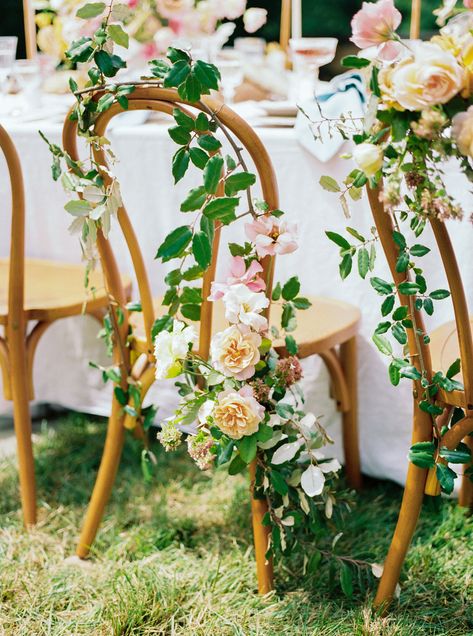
x=368, y=158
x=237, y=413
x=433, y=76
x=462, y=131
x=234, y=352
x=174, y=8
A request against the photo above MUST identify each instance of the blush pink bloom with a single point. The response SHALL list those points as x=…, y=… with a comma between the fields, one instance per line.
x=468, y=4
x=132, y=4
x=375, y=25
x=272, y=236
x=238, y=274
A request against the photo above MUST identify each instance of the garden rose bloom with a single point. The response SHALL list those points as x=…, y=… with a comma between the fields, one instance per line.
x=272, y=236
x=234, y=352
x=468, y=4
x=173, y=8
x=170, y=347
x=375, y=24
x=239, y=275
x=245, y=307
x=231, y=9
x=433, y=76
x=368, y=158
x=462, y=131
x=237, y=413
x=254, y=18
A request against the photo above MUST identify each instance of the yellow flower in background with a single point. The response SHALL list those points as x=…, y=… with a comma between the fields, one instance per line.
x=43, y=19
x=448, y=43
x=51, y=41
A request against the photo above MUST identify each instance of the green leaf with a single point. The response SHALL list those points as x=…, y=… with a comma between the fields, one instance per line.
x=174, y=277
x=121, y=395
x=179, y=135
x=175, y=243
x=291, y=345
x=278, y=482
x=338, y=240
x=346, y=579
x=180, y=163
x=177, y=74
x=381, y=286
x=191, y=311
x=91, y=10
x=118, y=35
x=408, y=288
x=387, y=305
x=207, y=74
x=163, y=323
x=446, y=477
x=222, y=209
x=201, y=122
x=419, y=250
x=382, y=344
x=108, y=64
x=209, y=143
x=194, y=200
x=439, y=294
x=202, y=249
x=198, y=157
x=399, y=333
x=236, y=465
x=399, y=125
x=191, y=89
x=191, y=295
x=345, y=266
x=402, y=262
x=288, y=317
x=363, y=262
x=183, y=120
x=105, y=102
x=428, y=306
x=291, y=288
x=383, y=327
x=329, y=184
x=78, y=207
x=212, y=173
x=301, y=303
x=394, y=373
x=399, y=239
x=410, y=371
x=247, y=447
x=353, y=61
x=239, y=181
x=460, y=455
x=422, y=459
x=401, y=313
x=177, y=55
x=193, y=273
x=454, y=369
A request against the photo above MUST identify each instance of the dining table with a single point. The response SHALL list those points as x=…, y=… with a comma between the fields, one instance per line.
x=62, y=373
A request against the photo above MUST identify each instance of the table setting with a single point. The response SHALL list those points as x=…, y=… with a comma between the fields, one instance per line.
x=320, y=172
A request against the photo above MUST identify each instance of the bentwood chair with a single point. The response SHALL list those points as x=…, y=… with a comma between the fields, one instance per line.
x=330, y=324
x=447, y=343
x=33, y=292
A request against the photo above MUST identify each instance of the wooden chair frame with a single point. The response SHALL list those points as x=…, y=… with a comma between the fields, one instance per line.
x=417, y=481
x=340, y=365
x=30, y=29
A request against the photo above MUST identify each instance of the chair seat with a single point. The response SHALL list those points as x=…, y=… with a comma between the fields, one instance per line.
x=54, y=290
x=326, y=324
x=444, y=350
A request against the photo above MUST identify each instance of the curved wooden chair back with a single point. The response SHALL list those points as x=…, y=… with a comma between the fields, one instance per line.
x=30, y=28
x=16, y=282
x=165, y=100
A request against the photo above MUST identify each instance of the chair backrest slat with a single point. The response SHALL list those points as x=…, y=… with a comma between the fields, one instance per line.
x=17, y=244
x=416, y=11
x=165, y=100
x=30, y=29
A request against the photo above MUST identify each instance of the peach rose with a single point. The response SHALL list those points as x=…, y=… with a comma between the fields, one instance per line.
x=462, y=131
x=433, y=76
x=174, y=8
x=234, y=352
x=237, y=413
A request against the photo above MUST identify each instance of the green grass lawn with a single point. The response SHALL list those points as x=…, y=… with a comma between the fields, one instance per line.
x=175, y=556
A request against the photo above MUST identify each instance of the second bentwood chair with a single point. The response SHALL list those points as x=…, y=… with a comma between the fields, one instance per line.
x=33, y=292
x=447, y=343
x=327, y=326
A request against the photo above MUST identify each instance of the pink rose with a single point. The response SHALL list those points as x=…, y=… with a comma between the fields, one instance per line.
x=272, y=236
x=375, y=24
x=468, y=4
x=238, y=274
x=132, y=4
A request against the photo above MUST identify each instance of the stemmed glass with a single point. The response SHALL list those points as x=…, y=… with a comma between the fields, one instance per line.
x=308, y=55
x=8, y=46
x=230, y=64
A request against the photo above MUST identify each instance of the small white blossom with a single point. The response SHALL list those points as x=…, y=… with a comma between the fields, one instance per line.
x=244, y=306
x=171, y=347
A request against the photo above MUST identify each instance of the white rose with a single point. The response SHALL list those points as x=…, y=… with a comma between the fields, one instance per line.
x=433, y=76
x=171, y=347
x=368, y=158
x=231, y=9
x=462, y=131
x=244, y=306
x=234, y=352
x=254, y=18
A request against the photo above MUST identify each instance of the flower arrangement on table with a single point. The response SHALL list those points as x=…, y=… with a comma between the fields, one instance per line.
x=244, y=405
x=151, y=25
x=420, y=115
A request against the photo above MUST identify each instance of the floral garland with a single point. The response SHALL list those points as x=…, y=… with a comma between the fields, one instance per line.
x=244, y=404
x=420, y=114
x=151, y=25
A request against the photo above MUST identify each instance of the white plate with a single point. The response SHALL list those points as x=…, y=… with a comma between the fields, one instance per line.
x=279, y=109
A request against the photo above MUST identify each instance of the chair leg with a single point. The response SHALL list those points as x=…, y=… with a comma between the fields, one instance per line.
x=261, y=534
x=105, y=479
x=22, y=422
x=408, y=516
x=348, y=359
x=465, y=497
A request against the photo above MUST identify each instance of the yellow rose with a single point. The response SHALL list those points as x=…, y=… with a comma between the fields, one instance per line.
x=462, y=132
x=433, y=76
x=237, y=413
x=234, y=352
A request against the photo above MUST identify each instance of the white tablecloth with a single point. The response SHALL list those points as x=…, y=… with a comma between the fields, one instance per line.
x=62, y=374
